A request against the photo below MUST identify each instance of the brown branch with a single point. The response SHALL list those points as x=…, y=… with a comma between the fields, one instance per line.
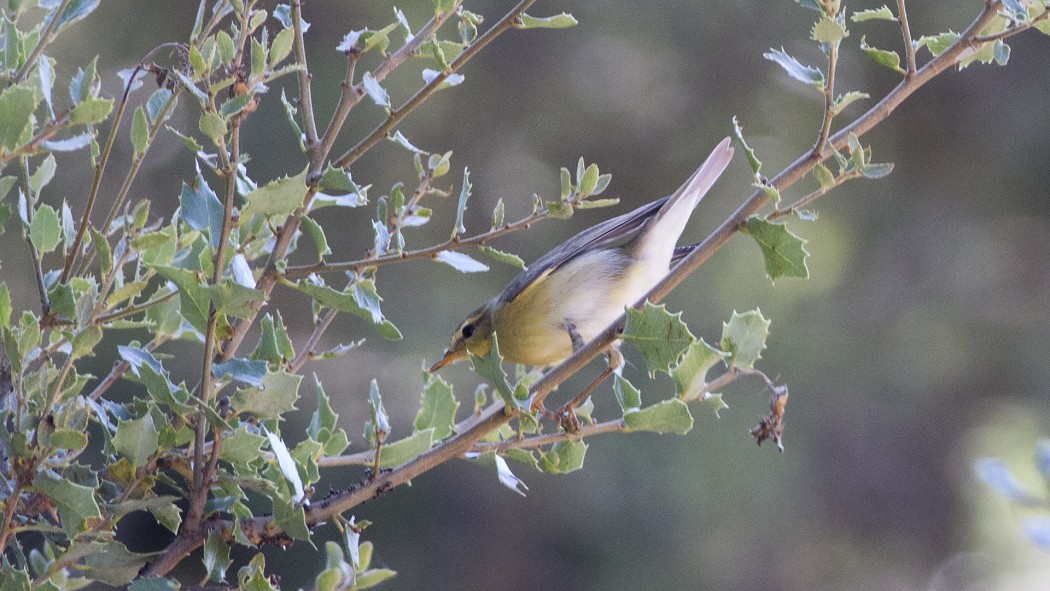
x=422, y=253
x=306, y=99
x=909, y=45
x=396, y=115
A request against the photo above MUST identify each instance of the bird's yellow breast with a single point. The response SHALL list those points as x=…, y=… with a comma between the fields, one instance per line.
x=590, y=292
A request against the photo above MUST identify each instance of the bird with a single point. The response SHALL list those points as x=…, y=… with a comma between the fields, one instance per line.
x=574, y=292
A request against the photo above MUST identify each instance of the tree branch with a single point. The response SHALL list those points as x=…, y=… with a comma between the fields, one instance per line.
x=909, y=45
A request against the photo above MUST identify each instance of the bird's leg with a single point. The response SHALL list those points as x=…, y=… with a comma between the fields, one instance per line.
x=566, y=414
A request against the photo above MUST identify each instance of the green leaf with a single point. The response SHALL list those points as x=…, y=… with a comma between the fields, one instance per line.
x=658, y=335
x=884, y=57
x=784, y=253
x=372, y=577
x=437, y=410
x=17, y=104
x=45, y=231
x=490, y=368
x=43, y=174
x=277, y=396
x=278, y=197
x=139, y=131
x=824, y=176
x=112, y=563
x=558, y=21
x=503, y=257
x=101, y=244
x=76, y=502
x=281, y=46
x=234, y=299
x=380, y=423
x=589, y=181
x=744, y=337
x=359, y=299
x=596, y=203
x=795, y=69
x=316, y=233
x=881, y=13
x=460, y=262
x=828, y=30
x=844, y=100
x=559, y=210
x=5, y=306
x=83, y=343
x=90, y=111
x=76, y=10
x=461, y=205
x=399, y=452
x=626, y=394
x=243, y=370
x=201, y=209
x=564, y=457
x=137, y=439
x=69, y=439
x=690, y=375
x=937, y=44
x=756, y=164
x=235, y=105
x=324, y=419
x=154, y=584
x=666, y=416
x=213, y=126
x=242, y=446
x=194, y=298
x=375, y=91
x=149, y=372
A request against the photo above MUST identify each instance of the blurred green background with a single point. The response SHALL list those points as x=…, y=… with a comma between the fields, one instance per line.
x=919, y=344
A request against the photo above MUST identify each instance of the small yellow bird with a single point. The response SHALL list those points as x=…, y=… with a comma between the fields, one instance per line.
x=575, y=291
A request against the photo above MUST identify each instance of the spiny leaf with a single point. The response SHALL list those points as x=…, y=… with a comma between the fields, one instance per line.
x=278, y=197
x=795, y=69
x=887, y=58
x=437, y=410
x=744, y=337
x=558, y=21
x=666, y=416
x=828, y=30
x=690, y=375
x=844, y=100
x=564, y=457
x=882, y=13
x=658, y=335
x=784, y=253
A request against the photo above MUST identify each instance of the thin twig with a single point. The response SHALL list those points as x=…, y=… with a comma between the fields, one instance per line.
x=1014, y=30
x=306, y=101
x=829, y=99
x=46, y=37
x=38, y=269
x=396, y=115
x=300, y=271
x=909, y=45
x=134, y=309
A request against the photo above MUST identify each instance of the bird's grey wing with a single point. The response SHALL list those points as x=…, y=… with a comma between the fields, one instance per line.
x=597, y=236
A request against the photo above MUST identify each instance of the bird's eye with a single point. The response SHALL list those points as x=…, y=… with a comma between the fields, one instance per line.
x=468, y=330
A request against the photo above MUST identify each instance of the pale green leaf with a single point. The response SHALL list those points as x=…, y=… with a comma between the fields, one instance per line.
x=882, y=13
x=884, y=57
x=277, y=396
x=690, y=375
x=564, y=457
x=137, y=439
x=744, y=337
x=795, y=69
x=666, y=416
x=784, y=253
x=278, y=197
x=558, y=21
x=399, y=452
x=658, y=335
x=45, y=231
x=437, y=409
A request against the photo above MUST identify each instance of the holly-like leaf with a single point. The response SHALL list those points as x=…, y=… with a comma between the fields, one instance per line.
x=17, y=104
x=658, y=335
x=752, y=160
x=277, y=396
x=490, y=368
x=744, y=337
x=507, y=478
x=380, y=422
x=201, y=209
x=359, y=299
x=139, y=132
x=627, y=395
x=844, y=100
x=564, y=457
x=437, y=410
x=828, y=30
x=784, y=253
x=937, y=44
x=247, y=371
x=795, y=69
x=287, y=466
x=690, y=375
x=377, y=93
x=399, y=452
x=137, y=439
x=112, y=563
x=216, y=557
x=666, y=416
x=76, y=502
x=890, y=59
x=278, y=197
x=882, y=13
x=503, y=257
x=45, y=231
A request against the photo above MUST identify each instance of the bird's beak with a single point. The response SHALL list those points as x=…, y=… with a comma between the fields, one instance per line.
x=448, y=358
